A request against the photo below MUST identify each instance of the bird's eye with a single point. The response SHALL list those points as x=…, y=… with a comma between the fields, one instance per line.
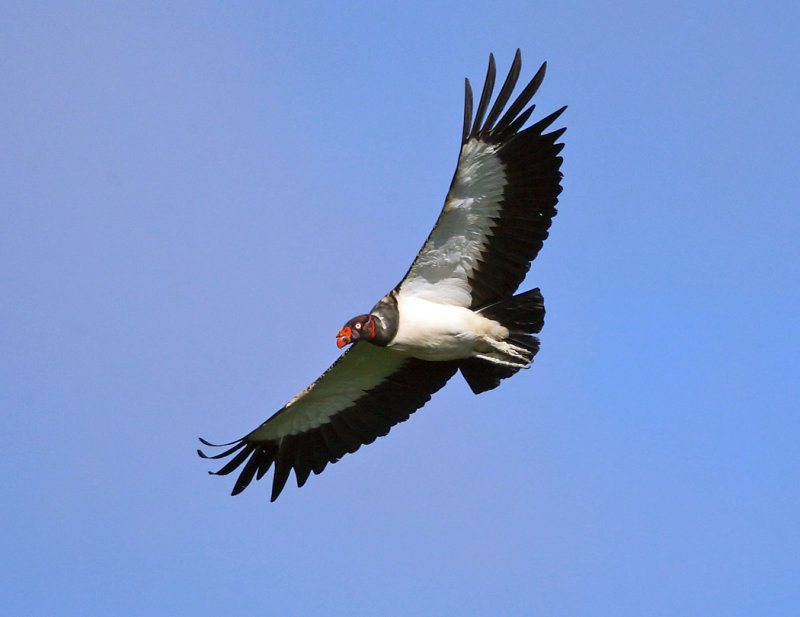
x=358, y=326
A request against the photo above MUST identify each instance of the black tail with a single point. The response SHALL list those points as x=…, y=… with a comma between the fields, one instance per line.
x=523, y=315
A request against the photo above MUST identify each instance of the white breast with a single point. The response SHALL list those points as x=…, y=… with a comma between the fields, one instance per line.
x=433, y=331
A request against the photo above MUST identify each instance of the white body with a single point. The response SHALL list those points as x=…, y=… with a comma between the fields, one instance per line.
x=432, y=331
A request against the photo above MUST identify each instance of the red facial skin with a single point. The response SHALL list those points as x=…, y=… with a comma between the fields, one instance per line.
x=344, y=337
x=361, y=326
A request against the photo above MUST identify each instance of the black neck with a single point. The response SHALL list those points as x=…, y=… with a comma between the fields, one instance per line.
x=387, y=319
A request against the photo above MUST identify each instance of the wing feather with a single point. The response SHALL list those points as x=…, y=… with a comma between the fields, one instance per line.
x=359, y=398
x=505, y=91
x=467, y=111
x=523, y=99
x=486, y=95
x=503, y=194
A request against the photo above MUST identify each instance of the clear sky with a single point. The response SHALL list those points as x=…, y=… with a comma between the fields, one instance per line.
x=195, y=196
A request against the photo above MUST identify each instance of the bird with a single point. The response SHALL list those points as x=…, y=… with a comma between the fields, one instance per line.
x=454, y=310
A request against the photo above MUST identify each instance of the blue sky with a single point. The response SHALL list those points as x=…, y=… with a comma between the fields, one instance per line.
x=196, y=196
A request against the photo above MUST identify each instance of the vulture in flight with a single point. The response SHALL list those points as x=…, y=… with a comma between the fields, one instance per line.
x=455, y=309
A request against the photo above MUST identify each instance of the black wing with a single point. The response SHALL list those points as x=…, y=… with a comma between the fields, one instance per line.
x=360, y=397
x=500, y=204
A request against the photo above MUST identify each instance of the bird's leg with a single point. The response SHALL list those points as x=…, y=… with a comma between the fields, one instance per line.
x=502, y=362
x=509, y=349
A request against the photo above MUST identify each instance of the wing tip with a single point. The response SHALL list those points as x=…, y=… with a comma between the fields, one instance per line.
x=486, y=95
x=512, y=120
x=467, y=111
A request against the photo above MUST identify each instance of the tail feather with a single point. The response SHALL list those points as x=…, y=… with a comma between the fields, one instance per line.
x=523, y=315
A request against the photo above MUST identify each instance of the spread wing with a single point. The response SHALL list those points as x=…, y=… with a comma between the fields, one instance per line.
x=500, y=204
x=360, y=397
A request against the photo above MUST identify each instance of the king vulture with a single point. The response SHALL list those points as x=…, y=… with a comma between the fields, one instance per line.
x=455, y=309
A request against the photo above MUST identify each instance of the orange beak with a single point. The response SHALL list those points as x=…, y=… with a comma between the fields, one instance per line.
x=344, y=337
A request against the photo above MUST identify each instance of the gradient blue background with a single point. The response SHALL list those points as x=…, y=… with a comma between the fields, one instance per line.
x=195, y=196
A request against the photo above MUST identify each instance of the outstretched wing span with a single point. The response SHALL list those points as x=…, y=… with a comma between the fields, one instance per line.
x=500, y=204
x=496, y=215
x=360, y=397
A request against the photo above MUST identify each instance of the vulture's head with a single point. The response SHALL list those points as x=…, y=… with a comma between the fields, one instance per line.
x=361, y=327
